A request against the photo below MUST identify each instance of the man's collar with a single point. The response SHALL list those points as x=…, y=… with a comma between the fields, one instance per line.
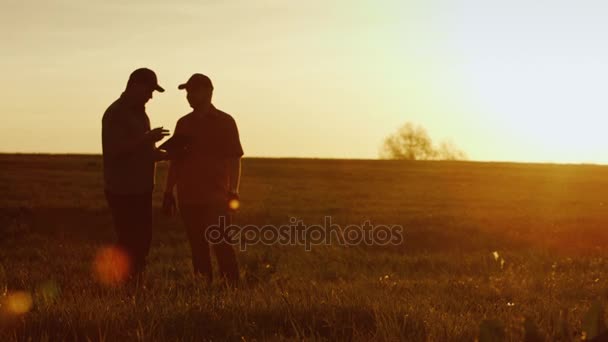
x=212, y=112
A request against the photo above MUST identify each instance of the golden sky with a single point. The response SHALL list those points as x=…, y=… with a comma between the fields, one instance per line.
x=504, y=80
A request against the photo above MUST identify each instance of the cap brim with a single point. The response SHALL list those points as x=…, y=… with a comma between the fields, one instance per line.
x=159, y=89
x=182, y=86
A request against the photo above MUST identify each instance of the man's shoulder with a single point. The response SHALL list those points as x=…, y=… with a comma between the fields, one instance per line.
x=113, y=110
x=185, y=119
x=224, y=116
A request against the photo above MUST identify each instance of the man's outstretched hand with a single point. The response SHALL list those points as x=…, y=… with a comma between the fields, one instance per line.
x=169, y=205
x=157, y=134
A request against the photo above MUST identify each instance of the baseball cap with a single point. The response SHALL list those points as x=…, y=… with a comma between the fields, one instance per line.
x=197, y=81
x=145, y=76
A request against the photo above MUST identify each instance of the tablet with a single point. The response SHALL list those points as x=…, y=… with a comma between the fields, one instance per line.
x=175, y=144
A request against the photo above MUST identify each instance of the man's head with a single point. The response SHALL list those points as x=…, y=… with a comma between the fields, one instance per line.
x=142, y=83
x=200, y=91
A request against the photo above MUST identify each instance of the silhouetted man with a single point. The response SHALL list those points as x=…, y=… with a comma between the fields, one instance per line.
x=129, y=157
x=207, y=176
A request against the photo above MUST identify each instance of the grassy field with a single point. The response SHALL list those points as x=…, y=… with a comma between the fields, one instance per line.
x=546, y=223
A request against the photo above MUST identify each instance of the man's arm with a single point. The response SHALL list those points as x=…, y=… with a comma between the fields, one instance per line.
x=234, y=173
x=169, y=204
x=173, y=165
x=234, y=154
x=118, y=143
x=159, y=155
x=171, y=177
x=116, y=140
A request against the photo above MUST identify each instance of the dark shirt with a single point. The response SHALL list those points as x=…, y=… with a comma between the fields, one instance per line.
x=132, y=171
x=203, y=171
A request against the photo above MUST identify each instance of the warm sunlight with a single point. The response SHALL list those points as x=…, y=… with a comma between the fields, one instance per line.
x=368, y=170
x=513, y=81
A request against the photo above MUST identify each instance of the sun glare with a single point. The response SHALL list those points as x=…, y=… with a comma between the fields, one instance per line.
x=234, y=204
x=111, y=266
x=19, y=302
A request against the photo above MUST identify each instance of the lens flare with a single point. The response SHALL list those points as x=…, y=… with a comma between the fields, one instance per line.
x=19, y=302
x=234, y=204
x=111, y=266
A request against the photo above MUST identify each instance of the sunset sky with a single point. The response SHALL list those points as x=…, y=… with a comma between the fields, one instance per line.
x=504, y=80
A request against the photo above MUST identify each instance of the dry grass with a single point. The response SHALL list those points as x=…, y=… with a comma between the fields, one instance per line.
x=546, y=221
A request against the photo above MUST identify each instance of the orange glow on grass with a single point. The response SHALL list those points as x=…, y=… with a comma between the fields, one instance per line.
x=19, y=302
x=234, y=204
x=111, y=266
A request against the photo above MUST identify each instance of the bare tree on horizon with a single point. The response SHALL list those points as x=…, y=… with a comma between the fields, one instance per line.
x=412, y=142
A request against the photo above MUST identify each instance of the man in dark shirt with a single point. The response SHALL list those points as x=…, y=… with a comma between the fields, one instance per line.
x=129, y=157
x=207, y=176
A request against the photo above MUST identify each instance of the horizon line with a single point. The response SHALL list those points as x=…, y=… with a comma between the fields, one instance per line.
x=76, y=154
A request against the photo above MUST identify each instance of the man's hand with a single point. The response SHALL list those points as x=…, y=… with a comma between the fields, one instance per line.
x=169, y=205
x=156, y=134
x=234, y=202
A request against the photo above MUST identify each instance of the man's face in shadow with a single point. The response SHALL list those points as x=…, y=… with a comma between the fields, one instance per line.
x=141, y=93
x=199, y=98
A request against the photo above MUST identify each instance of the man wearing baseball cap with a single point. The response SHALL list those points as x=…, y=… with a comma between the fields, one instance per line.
x=207, y=176
x=129, y=157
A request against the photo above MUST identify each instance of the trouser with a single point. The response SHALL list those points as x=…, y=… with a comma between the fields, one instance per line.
x=198, y=219
x=132, y=215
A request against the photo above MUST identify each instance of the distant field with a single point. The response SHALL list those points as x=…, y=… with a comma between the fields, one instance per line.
x=547, y=222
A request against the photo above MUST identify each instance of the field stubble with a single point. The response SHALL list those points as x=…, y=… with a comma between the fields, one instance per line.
x=482, y=241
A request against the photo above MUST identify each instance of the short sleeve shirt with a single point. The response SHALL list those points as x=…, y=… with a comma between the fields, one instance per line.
x=202, y=172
